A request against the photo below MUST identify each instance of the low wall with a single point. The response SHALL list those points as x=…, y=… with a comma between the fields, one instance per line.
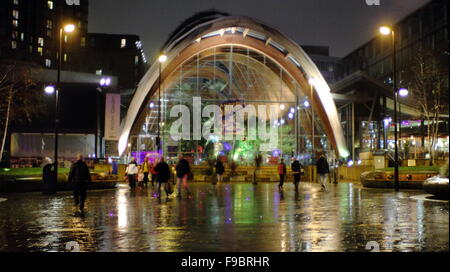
x=352, y=173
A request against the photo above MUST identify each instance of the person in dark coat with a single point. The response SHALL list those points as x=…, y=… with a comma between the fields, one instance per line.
x=322, y=171
x=79, y=176
x=282, y=172
x=220, y=169
x=163, y=176
x=183, y=170
x=297, y=169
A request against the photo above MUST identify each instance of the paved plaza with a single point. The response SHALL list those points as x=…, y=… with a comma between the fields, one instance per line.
x=227, y=217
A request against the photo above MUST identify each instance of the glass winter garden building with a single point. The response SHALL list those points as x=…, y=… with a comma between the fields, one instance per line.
x=240, y=64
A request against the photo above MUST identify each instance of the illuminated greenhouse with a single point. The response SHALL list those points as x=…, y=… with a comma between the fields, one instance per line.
x=233, y=63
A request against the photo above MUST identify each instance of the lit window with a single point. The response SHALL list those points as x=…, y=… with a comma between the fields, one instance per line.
x=15, y=23
x=13, y=44
x=50, y=4
x=48, y=63
x=136, y=60
x=14, y=34
x=40, y=51
x=83, y=41
x=65, y=38
x=98, y=72
x=16, y=2
x=65, y=57
x=22, y=36
x=123, y=43
x=49, y=24
x=15, y=14
x=41, y=41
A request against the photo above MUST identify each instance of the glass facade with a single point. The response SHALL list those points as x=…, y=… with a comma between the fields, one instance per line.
x=230, y=76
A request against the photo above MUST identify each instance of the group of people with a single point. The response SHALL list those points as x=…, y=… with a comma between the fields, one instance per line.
x=79, y=175
x=297, y=168
x=160, y=173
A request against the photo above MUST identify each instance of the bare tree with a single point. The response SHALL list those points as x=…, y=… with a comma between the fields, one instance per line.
x=427, y=79
x=19, y=95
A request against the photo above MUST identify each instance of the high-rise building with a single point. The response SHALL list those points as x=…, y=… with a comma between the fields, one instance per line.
x=29, y=31
x=365, y=84
x=114, y=54
x=329, y=66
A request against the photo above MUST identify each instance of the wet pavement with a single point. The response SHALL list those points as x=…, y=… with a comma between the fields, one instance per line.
x=227, y=217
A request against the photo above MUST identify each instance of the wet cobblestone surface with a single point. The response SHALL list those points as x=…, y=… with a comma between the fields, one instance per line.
x=227, y=217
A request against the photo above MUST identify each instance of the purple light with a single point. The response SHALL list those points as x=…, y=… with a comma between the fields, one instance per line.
x=226, y=146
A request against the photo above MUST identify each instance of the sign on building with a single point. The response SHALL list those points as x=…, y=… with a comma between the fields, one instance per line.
x=112, y=117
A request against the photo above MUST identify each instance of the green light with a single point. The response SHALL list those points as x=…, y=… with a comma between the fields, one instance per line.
x=6, y=169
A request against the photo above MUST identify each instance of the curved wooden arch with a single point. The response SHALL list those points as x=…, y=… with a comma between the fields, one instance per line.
x=188, y=48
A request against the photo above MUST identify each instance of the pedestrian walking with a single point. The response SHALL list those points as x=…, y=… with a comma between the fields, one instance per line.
x=131, y=172
x=322, y=171
x=220, y=169
x=146, y=170
x=282, y=173
x=163, y=177
x=79, y=177
x=298, y=171
x=153, y=172
x=183, y=170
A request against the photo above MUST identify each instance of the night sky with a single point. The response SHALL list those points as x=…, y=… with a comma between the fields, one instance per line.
x=341, y=24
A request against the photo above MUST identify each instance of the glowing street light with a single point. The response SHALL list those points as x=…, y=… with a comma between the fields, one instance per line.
x=49, y=89
x=385, y=30
x=162, y=58
x=403, y=92
x=69, y=28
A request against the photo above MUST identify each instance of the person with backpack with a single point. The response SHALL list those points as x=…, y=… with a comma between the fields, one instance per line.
x=183, y=170
x=282, y=173
x=80, y=177
x=298, y=171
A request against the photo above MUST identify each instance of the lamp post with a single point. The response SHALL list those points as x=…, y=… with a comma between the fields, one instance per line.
x=69, y=28
x=403, y=92
x=162, y=58
x=386, y=31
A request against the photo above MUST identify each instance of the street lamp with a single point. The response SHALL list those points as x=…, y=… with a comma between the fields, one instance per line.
x=68, y=28
x=403, y=92
x=49, y=89
x=385, y=31
x=161, y=59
